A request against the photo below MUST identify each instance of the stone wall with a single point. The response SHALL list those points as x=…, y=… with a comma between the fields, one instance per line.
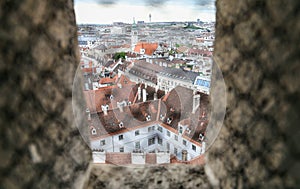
x=257, y=48
x=40, y=146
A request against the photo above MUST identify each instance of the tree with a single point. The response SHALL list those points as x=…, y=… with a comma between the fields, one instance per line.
x=119, y=55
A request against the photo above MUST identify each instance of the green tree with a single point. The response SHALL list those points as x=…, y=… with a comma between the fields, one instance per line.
x=119, y=55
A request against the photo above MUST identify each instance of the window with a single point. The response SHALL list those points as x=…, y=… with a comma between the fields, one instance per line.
x=180, y=130
x=160, y=141
x=184, y=142
x=137, y=145
x=151, y=141
x=193, y=147
x=168, y=133
x=137, y=132
x=160, y=129
x=121, y=137
x=102, y=142
x=176, y=137
x=175, y=151
x=121, y=149
x=153, y=128
x=168, y=146
x=94, y=132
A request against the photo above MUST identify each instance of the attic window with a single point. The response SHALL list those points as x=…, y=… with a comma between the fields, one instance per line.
x=102, y=142
x=201, y=137
x=169, y=120
x=148, y=118
x=162, y=117
x=121, y=137
x=180, y=130
x=94, y=132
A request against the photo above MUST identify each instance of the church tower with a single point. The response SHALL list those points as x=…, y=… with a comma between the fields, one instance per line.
x=134, y=35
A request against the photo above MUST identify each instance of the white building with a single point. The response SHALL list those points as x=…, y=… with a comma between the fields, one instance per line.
x=147, y=127
x=170, y=78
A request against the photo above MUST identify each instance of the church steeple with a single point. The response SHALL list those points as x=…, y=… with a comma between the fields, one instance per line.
x=134, y=35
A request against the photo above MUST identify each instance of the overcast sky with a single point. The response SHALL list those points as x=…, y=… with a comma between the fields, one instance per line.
x=109, y=11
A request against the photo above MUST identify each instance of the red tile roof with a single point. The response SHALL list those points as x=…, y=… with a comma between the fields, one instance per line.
x=149, y=47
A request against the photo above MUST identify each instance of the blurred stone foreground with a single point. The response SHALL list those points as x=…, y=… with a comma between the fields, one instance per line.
x=257, y=48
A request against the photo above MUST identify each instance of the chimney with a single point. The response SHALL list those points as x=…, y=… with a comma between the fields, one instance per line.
x=144, y=95
x=169, y=120
x=121, y=125
x=86, y=86
x=104, y=109
x=203, y=148
x=155, y=96
x=88, y=113
x=139, y=93
x=196, y=102
x=120, y=106
x=184, y=155
x=148, y=118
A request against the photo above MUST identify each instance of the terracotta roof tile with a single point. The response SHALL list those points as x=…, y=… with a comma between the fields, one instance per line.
x=149, y=47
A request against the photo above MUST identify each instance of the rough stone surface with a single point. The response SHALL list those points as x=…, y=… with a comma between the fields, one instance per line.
x=156, y=177
x=257, y=49
x=40, y=146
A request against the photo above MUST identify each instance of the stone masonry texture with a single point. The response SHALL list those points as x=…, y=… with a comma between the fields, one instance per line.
x=257, y=49
x=40, y=146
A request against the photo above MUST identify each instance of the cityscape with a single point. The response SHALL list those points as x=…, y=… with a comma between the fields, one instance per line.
x=147, y=87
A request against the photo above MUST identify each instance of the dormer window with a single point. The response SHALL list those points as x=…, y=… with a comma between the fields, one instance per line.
x=180, y=130
x=162, y=117
x=201, y=137
x=169, y=120
x=121, y=125
x=188, y=130
x=148, y=118
x=94, y=131
x=111, y=97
